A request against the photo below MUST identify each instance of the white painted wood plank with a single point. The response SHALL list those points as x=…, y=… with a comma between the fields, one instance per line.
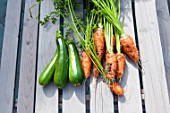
x=164, y=27
x=107, y=98
x=46, y=97
x=101, y=99
x=9, y=55
x=28, y=60
x=131, y=101
x=74, y=97
x=154, y=79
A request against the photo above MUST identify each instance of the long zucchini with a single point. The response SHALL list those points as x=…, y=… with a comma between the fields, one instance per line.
x=61, y=71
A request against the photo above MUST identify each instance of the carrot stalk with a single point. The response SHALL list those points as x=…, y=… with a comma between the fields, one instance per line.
x=113, y=42
x=109, y=10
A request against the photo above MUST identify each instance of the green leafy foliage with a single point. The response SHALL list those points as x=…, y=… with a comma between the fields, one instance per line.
x=60, y=9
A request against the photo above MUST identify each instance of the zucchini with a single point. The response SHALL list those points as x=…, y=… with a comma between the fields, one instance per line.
x=47, y=74
x=76, y=76
x=61, y=70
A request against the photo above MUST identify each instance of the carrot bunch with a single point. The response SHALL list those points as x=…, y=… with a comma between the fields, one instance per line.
x=115, y=61
x=110, y=33
x=111, y=12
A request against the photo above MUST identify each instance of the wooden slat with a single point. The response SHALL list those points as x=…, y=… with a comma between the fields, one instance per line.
x=9, y=55
x=131, y=101
x=74, y=97
x=164, y=27
x=46, y=97
x=101, y=98
x=108, y=101
x=28, y=60
x=3, y=4
x=154, y=79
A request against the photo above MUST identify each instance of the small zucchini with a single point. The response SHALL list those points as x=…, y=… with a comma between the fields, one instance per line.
x=76, y=76
x=61, y=70
x=47, y=74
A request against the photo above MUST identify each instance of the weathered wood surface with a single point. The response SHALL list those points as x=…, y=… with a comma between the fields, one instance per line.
x=46, y=97
x=9, y=56
x=34, y=58
x=74, y=97
x=131, y=101
x=3, y=4
x=164, y=27
x=28, y=60
x=154, y=79
x=101, y=98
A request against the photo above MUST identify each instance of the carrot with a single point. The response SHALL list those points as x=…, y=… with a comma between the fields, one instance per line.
x=130, y=48
x=117, y=89
x=86, y=64
x=120, y=65
x=111, y=65
x=111, y=61
x=99, y=42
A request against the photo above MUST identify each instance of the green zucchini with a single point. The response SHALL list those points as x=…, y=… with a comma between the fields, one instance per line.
x=76, y=76
x=47, y=74
x=61, y=70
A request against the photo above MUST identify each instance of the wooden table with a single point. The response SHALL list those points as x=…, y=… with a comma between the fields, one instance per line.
x=28, y=47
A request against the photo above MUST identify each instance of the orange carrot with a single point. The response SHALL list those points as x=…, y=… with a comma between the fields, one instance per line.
x=120, y=65
x=111, y=65
x=130, y=48
x=100, y=44
x=86, y=64
x=117, y=89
